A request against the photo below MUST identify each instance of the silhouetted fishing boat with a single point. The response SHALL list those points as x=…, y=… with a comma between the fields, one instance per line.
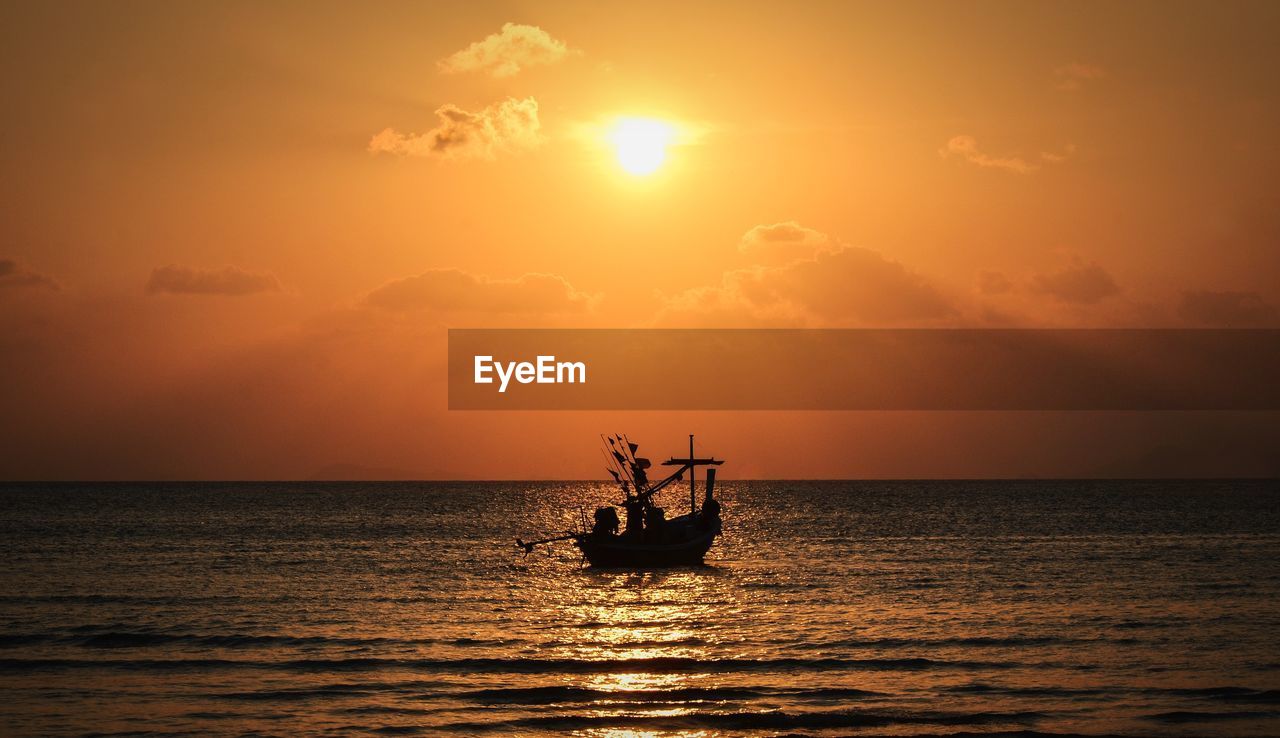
x=649, y=539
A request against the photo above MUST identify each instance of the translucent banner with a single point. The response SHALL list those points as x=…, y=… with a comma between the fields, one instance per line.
x=863, y=369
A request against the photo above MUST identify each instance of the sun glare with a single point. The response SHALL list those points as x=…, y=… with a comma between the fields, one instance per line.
x=641, y=144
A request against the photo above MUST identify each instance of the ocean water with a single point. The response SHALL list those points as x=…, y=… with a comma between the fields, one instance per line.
x=828, y=608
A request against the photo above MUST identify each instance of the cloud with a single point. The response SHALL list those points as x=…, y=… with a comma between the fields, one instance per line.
x=13, y=274
x=505, y=53
x=1079, y=284
x=1053, y=157
x=1226, y=309
x=849, y=283
x=230, y=281
x=1073, y=76
x=510, y=125
x=993, y=283
x=966, y=147
x=787, y=241
x=833, y=283
x=453, y=290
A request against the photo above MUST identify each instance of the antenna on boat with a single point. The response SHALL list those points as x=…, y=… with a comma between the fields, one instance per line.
x=693, y=473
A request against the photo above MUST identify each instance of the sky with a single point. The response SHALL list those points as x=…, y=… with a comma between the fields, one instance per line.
x=234, y=234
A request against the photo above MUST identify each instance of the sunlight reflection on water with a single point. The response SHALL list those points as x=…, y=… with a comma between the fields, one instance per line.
x=828, y=609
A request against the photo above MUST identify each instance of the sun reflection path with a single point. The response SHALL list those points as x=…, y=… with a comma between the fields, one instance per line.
x=653, y=634
x=648, y=618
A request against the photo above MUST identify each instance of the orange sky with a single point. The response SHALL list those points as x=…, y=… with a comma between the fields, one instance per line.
x=234, y=233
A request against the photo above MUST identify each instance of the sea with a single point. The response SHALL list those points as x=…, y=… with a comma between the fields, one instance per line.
x=832, y=608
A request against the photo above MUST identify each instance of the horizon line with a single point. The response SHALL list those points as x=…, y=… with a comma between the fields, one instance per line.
x=12, y=482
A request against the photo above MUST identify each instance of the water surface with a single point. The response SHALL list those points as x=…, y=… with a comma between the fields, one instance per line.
x=828, y=608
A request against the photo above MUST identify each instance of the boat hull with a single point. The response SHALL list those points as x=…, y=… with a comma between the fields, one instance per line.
x=619, y=554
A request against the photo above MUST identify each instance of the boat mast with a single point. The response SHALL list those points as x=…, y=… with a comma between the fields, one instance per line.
x=690, y=465
x=693, y=472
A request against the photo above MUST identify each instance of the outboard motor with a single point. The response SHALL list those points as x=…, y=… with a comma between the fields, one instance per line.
x=710, y=517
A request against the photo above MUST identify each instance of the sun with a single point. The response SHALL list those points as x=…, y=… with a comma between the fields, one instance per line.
x=641, y=144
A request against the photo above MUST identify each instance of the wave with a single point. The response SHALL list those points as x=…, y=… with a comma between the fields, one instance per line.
x=898, y=733
x=988, y=734
x=1021, y=641
x=545, y=695
x=1065, y=692
x=135, y=639
x=752, y=721
x=599, y=624
x=130, y=639
x=341, y=690
x=638, y=643
x=1222, y=694
x=551, y=695
x=1194, y=716
x=660, y=664
x=1232, y=694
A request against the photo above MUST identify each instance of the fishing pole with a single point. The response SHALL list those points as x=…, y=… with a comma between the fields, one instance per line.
x=614, y=460
x=612, y=468
x=623, y=461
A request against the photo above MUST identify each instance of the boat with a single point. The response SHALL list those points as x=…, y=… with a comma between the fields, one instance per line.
x=648, y=540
